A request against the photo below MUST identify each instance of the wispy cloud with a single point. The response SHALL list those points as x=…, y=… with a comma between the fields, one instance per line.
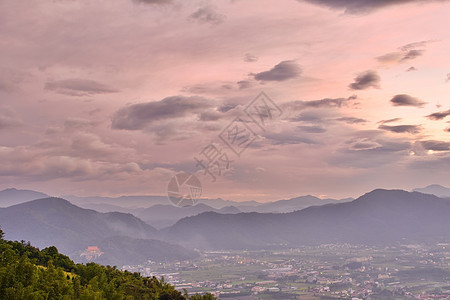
x=207, y=14
x=79, y=87
x=439, y=115
x=412, y=129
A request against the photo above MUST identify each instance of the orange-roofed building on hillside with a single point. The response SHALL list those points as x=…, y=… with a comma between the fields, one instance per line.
x=92, y=252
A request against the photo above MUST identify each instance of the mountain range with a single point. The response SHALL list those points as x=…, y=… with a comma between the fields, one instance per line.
x=378, y=217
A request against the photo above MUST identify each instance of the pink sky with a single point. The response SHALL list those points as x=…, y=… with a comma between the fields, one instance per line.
x=115, y=97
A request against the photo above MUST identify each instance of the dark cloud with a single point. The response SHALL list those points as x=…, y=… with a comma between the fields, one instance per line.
x=9, y=118
x=439, y=115
x=250, y=58
x=413, y=129
x=361, y=6
x=447, y=129
x=406, y=100
x=139, y=116
x=78, y=87
x=285, y=70
x=389, y=121
x=436, y=145
x=207, y=14
x=366, y=80
x=410, y=69
x=351, y=120
x=448, y=77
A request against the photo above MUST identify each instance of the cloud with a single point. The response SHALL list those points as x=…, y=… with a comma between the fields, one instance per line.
x=351, y=120
x=448, y=77
x=312, y=129
x=285, y=70
x=250, y=58
x=405, y=53
x=10, y=80
x=412, y=129
x=366, y=80
x=79, y=87
x=364, y=144
x=288, y=137
x=411, y=54
x=153, y=1
x=389, y=121
x=406, y=100
x=369, y=149
x=9, y=118
x=414, y=45
x=360, y=6
x=439, y=115
x=410, y=69
x=390, y=57
x=207, y=14
x=139, y=116
x=436, y=145
x=327, y=102
x=244, y=84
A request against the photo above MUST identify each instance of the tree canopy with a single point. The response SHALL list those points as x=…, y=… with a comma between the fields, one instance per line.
x=29, y=273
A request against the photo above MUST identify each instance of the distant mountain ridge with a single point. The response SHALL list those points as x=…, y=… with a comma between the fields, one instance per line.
x=435, y=189
x=378, y=217
x=290, y=205
x=14, y=196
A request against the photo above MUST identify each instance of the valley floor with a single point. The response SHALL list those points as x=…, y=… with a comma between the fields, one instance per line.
x=325, y=272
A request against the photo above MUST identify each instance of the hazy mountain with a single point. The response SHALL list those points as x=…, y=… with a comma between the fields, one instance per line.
x=55, y=221
x=121, y=250
x=381, y=216
x=161, y=216
x=219, y=203
x=122, y=201
x=435, y=189
x=283, y=206
x=14, y=196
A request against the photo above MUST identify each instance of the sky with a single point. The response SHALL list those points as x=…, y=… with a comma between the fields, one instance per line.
x=116, y=97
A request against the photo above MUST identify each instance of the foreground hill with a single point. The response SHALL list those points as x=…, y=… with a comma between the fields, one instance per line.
x=55, y=221
x=29, y=273
x=378, y=217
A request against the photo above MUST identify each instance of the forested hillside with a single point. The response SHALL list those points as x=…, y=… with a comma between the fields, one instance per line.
x=29, y=273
